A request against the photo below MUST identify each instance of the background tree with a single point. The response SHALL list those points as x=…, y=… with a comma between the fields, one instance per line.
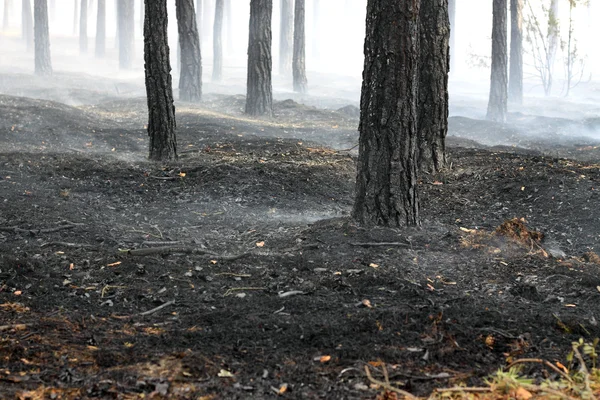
x=159, y=89
x=27, y=24
x=83, y=23
x=497, y=105
x=259, y=96
x=199, y=19
x=553, y=31
x=299, y=60
x=43, y=62
x=218, y=41
x=207, y=14
x=386, y=183
x=125, y=22
x=286, y=34
x=190, y=78
x=75, y=16
x=6, y=15
x=101, y=29
x=434, y=66
x=515, y=81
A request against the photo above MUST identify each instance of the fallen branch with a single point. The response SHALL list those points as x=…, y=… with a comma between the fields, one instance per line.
x=66, y=244
x=168, y=303
x=381, y=244
x=387, y=385
x=165, y=178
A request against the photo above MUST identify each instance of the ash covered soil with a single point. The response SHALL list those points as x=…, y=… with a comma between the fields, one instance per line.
x=267, y=287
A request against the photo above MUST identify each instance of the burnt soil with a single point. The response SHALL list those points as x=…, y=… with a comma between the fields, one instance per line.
x=269, y=288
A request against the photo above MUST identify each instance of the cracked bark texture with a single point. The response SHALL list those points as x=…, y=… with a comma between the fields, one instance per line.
x=218, y=41
x=515, y=79
x=125, y=21
x=259, y=96
x=386, y=184
x=190, y=77
x=433, y=83
x=159, y=89
x=43, y=60
x=286, y=35
x=299, y=60
x=498, y=101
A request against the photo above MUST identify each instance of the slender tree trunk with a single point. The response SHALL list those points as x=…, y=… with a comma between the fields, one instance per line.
x=83, y=23
x=497, y=106
x=515, y=81
x=6, y=16
x=386, y=184
x=27, y=25
x=452, y=17
x=190, y=78
x=101, y=29
x=218, y=41
x=159, y=90
x=259, y=97
x=433, y=84
x=125, y=17
x=286, y=37
x=43, y=61
x=553, y=38
x=299, y=59
x=76, y=17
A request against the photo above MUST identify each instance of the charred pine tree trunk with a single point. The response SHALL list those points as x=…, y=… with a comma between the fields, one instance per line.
x=299, y=60
x=515, y=79
x=386, y=183
x=452, y=17
x=6, y=15
x=286, y=35
x=125, y=21
x=497, y=106
x=190, y=78
x=27, y=24
x=101, y=29
x=259, y=96
x=218, y=41
x=43, y=61
x=83, y=38
x=159, y=89
x=434, y=66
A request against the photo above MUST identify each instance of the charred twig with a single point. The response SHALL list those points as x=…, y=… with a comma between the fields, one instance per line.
x=165, y=250
x=165, y=178
x=168, y=303
x=382, y=244
x=66, y=244
x=16, y=229
x=231, y=290
x=387, y=385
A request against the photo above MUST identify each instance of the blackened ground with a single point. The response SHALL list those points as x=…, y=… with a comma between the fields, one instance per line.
x=268, y=286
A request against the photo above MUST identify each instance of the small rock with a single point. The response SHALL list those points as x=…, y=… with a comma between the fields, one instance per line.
x=240, y=295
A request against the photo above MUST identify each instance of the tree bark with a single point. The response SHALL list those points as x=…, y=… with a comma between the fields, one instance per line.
x=101, y=29
x=259, y=97
x=515, y=81
x=434, y=66
x=286, y=35
x=452, y=18
x=159, y=90
x=125, y=21
x=83, y=37
x=27, y=24
x=218, y=41
x=386, y=184
x=190, y=78
x=6, y=15
x=299, y=60
x=497, y=105
x=43, y=61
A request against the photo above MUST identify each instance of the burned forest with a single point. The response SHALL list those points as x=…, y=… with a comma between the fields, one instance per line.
x=299, y=199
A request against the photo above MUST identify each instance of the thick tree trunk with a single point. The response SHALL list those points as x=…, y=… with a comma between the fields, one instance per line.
x=515, y=81
x=75, y=17
x=259, y=97
x=43, y=61
x=497, y=106
x=386, y=184
x=190, y=77
x=286, y=35
x=101, y=29
x=159, y=90
x=125, y=21
x=6, y=15
x=433, y=84
x=218, y=41
x=299, y=60
x=27, y=24
x=452, y=17
x=83, y=23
